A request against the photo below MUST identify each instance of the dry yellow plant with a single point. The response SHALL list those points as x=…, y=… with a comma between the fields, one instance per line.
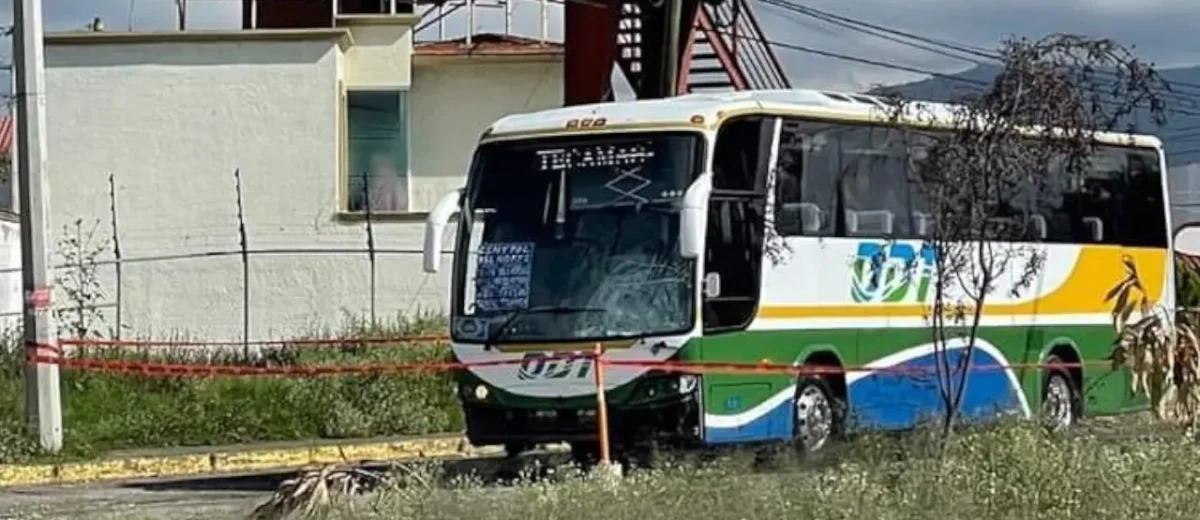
x=1159, y=347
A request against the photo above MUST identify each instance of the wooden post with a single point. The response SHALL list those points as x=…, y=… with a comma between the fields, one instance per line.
x=601, y=406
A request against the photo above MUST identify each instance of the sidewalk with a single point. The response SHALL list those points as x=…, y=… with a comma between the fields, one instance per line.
x=244, y=458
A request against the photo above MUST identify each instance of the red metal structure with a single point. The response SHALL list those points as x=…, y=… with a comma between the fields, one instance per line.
x=719, y=45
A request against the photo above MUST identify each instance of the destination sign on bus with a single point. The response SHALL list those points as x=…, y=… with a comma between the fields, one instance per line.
x=595, y=156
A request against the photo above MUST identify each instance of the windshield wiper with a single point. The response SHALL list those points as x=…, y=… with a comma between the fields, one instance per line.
x=495, y=335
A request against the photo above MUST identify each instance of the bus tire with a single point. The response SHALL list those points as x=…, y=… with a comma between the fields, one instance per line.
x=817, y=415
x=585, y=454
x=1061, y=399
x=514, y=449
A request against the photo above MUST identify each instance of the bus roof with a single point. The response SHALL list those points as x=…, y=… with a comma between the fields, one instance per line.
x=706, y=110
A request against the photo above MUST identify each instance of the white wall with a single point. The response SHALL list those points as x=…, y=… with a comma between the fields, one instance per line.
x=1184, y=183
x=173, y=120
x=10, y=275
x=454, y=99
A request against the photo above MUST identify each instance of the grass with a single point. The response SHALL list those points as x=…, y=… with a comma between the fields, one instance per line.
x=103, y=412
x=1007, y=473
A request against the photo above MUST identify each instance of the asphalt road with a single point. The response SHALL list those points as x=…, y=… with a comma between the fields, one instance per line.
x=209, y=498
x=216, y=499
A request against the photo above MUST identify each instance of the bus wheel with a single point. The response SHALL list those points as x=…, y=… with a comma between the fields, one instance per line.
x=1060, y=397
x=513, y=450
x=585, y=454
x=818, y=415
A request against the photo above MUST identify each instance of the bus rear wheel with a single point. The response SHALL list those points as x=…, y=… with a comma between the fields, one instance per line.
x=817, y=415
x=1060, y=397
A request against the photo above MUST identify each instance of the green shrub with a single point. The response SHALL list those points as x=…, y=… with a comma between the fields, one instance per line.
x=106, y=411
x=1001, y=474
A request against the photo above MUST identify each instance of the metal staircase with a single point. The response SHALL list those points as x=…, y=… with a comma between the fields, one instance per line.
x=729, y=51
x=725, y=50
x=630, y=46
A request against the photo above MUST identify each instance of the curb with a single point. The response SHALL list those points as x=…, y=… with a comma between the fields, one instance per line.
x=221, y=461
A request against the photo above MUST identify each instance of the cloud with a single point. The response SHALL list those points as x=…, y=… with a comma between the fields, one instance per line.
x=1153, y=27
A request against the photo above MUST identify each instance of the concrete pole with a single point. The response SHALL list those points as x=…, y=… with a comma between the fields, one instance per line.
x=181, y=14
x=441, y=21
x=470, y=21
x=671, y=47
x=43, y=406
x=545, y=20
x=508, y=16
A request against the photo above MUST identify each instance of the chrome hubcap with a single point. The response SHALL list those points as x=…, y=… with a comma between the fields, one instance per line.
x=814, y=418
x=1057, y=406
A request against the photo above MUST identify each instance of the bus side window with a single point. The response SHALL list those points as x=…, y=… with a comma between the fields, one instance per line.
x=1116, y=201
x=874, y=182
x=1144, y=207
x=805, y=191
x=738, y=153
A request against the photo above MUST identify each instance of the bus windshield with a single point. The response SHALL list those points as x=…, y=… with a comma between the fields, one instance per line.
x=576, y=239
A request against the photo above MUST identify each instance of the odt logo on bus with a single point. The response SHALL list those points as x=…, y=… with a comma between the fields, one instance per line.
x=555, y=365
x=891, y=272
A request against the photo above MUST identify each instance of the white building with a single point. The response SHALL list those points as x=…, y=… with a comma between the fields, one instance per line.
x=300, y=113
x=10, y=236
x=1184, y=183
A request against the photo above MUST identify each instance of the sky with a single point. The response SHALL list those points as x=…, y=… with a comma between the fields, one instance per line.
x=1157, y=28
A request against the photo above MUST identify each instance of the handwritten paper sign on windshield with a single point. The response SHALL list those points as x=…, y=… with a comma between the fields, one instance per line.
x=502, y=276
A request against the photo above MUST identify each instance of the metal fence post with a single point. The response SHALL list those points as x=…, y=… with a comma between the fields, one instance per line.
x=237, y=178
x=116, y=245
x=370, y=241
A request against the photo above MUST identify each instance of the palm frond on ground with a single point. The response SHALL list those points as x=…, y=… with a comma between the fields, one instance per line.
x=316, y=492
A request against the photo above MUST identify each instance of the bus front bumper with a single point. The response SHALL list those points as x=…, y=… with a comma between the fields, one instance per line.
x=677, y=420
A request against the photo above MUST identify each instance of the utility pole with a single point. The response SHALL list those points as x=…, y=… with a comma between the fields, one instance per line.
x=672, y=40
x=181, y=13
x=43, y=405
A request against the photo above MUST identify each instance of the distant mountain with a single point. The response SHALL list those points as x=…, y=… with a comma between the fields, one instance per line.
x=1181, y=134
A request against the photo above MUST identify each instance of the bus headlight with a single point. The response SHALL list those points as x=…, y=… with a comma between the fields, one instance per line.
x=478, y=392
x=481, y=392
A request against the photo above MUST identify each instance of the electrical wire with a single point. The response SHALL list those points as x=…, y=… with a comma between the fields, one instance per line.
x=1190, y=100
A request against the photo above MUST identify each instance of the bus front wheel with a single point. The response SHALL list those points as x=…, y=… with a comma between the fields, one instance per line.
x=817, y=414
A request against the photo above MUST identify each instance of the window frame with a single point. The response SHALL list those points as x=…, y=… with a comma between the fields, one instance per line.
x=839, y=231
x=404, y=93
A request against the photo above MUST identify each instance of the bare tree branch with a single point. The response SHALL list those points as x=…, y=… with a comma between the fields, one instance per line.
x=1010, y=149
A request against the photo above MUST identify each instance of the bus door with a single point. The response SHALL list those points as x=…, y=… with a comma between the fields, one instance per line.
x=732, y=280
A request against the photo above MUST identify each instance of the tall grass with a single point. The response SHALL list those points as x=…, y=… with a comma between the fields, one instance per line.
x=104, y=411
x=1002, y=474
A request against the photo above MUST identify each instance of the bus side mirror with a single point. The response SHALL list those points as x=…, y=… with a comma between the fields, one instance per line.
x=435, y=224
x=1187, y=239
x=692, y=221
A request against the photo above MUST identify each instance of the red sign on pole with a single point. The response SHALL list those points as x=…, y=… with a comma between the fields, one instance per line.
x=39, y=298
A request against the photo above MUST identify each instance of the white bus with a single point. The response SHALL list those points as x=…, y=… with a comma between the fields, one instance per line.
x=642, y=225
